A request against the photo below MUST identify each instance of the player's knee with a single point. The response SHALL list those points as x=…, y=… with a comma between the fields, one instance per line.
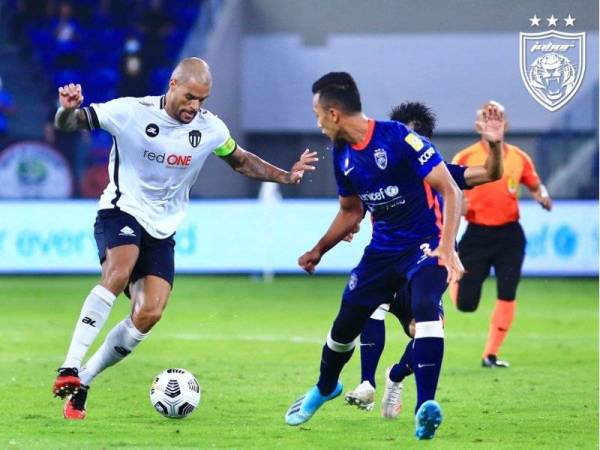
x=427, y=287
x=145, y=319
x=464, y=305
x=426, y=308
x=467, y=299
x=117, y=278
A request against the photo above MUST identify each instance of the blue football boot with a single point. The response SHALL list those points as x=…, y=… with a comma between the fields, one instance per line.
x=308, y=404
x=428, y=419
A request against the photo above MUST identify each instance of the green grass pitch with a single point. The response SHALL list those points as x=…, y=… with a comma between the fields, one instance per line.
x=255, y=347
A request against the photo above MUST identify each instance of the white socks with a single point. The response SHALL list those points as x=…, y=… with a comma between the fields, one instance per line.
x=94, y=312
x=119, y=342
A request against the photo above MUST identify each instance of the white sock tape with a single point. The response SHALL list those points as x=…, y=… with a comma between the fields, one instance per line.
x=381, y=311
x=433, y=329
x=338, y=346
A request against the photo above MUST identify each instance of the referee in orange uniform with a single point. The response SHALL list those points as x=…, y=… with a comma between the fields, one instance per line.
x=494, y=237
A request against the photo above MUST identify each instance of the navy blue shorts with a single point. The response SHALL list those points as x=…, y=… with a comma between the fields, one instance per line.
x=379, y=275
x=114, y=227
x=401, y=307
x=420, y=283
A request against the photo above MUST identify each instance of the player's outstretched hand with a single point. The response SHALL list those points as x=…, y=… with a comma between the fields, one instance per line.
x=492, y=123
x=70, y=96
x=450, y=260
x=309, y=261
x=306, y=162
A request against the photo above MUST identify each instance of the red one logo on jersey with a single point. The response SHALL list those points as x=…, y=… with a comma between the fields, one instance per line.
x=179, y=160
x=172, y=160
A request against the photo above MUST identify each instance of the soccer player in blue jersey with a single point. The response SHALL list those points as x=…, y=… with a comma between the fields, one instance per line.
x=422, y=120
x=393, y=172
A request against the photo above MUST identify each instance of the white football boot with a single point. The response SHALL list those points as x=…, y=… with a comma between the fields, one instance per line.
x=391, y=403
x=363, y=396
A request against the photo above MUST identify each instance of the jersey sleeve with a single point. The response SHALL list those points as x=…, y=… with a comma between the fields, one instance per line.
x=458, y=175
x=421, y=154
x=226, y=144
x=344, y=186
x=111, y=116
x=529, y=177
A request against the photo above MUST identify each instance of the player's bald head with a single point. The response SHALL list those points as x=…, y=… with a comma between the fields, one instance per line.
x=189, y=87
x=192, y=68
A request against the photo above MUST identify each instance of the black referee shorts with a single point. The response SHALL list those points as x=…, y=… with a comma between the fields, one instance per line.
x=482, y=247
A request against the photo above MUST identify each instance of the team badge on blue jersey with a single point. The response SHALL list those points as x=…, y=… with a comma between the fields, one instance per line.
x=194, y=137
x=380, y=158
x=353, y=281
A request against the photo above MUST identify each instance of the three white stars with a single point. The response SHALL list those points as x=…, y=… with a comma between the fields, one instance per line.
x=552, y=21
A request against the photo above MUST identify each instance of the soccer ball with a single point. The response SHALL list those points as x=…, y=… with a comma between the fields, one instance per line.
x=175, y=393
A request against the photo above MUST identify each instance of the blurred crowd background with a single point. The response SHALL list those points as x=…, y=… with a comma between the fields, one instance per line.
x=113, y=48
x=128, y=48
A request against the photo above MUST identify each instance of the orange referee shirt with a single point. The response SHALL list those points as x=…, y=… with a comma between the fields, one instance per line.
x=496, y=203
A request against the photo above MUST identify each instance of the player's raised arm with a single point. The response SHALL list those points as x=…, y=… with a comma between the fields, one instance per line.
x=347, y=219
x=252, y=166
x=491, y=123
x=68, y=116
x=440, y=179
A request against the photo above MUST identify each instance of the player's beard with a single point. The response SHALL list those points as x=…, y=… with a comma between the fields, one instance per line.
x=184, y=113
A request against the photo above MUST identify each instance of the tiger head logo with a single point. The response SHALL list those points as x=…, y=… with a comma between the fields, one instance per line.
x=552, y=76
x=552, y=66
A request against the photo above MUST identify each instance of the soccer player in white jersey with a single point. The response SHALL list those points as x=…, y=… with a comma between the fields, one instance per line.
x=160, y=145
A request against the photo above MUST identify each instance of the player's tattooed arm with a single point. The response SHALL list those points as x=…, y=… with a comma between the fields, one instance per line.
x=68, y=116
x=70, y=119
x=347, y=219
x=252, y=166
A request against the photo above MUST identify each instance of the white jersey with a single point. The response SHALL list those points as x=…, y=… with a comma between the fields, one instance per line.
x=155, y=159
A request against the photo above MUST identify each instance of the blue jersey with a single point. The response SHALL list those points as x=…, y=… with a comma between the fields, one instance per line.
x=387, y=173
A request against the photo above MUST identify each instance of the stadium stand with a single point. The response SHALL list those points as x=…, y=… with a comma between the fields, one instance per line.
x=113, y=48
